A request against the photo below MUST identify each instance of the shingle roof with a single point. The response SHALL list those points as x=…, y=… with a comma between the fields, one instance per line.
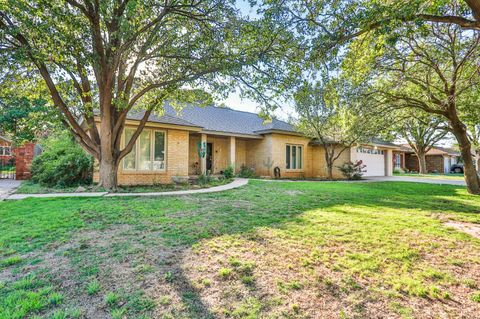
x=436, y=150
x=378, y=141
x=164, y=119
x=218, y=119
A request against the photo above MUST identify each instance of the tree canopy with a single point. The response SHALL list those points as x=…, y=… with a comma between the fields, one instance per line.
x=113, y=56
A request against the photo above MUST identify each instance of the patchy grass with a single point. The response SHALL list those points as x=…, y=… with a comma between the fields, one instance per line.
x=29, y=187
x=267, y=250
x=450, y=176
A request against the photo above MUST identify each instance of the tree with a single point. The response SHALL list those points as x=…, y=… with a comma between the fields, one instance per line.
x=333, y=23
x=434, y=70
x=116, y=55
x=335, y=117
x=422, y=132
x=24, y=112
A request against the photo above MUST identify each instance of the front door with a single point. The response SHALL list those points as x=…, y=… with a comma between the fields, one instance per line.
x=209, y=157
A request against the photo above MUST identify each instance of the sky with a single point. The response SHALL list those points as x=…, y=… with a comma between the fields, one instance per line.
x=234, y=101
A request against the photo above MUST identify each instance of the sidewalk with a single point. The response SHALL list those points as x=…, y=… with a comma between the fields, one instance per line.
x=237, y=182
x=7, y=186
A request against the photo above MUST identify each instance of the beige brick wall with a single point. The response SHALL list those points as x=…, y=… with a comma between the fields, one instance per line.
x=240, y=154
x=258, y=151
x=193, y=158
x=319, y=165
x=279, y=143
x=177, y=163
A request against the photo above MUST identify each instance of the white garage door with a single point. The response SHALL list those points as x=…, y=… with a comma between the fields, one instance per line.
x=373, y=159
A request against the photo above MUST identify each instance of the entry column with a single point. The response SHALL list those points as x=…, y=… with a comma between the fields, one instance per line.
x=232, y=152
x=203, y=154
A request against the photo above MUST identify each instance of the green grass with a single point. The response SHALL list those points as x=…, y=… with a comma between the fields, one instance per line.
x=269, y=250
x=450, y=176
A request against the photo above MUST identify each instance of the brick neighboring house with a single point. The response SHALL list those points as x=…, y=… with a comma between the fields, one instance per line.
x=6, y=153
x=170, y=145
x=438, y=159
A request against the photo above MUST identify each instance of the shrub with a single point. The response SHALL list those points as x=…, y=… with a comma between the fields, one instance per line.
x=246, y=172
x=352, y=171
x=204, y=179
x=398, y=171
x=62, y=163
x=228, y=172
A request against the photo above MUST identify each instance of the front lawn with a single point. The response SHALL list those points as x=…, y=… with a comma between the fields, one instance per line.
x=267, y=250
x=450, y=176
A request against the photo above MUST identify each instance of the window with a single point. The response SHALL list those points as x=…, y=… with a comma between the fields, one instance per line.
x=398, y=160
x=148, y=154
x=294, y=157
x=370, y=151
x=5, y=150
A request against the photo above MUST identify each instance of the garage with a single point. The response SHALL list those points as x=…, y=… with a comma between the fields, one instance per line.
x=374, y=159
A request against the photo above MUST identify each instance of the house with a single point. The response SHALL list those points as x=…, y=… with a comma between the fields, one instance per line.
x=438, y=159
x=6, y=154
x=200, y=139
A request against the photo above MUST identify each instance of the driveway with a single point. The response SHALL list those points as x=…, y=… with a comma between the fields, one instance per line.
x=7, y=186
x=415, y=180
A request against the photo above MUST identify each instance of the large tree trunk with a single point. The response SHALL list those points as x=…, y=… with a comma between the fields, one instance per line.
x=108, y=174
x=109, y=154
x=469, y=170
x=422, y=163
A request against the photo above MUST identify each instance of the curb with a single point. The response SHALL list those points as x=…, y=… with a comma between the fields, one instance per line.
x=236, y=183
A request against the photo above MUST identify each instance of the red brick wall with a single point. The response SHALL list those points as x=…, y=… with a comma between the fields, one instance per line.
x=23, y=160
x=434, y=163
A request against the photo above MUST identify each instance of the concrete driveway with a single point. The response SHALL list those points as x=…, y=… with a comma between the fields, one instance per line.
x=415, y=180
x=7, y=186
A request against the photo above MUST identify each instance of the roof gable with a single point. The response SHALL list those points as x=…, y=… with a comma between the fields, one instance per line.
x=216, y=119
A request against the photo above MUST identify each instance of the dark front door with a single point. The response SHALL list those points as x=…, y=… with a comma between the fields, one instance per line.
x=209, y=157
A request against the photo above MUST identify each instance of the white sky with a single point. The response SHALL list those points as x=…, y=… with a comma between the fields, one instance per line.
x=234, y=101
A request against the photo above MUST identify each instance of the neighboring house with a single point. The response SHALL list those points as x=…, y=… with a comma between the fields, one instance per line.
x=6, y=154
x=170, y=145
x=438, y=159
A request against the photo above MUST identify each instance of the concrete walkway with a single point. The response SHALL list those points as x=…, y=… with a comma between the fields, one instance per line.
x=415, y=180
x=425, y=180
x=8, y=186
x=237, y=182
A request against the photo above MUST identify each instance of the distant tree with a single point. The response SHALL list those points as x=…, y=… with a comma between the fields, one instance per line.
x=336, y=117
x=24, y=111
x=116, y=55
x=422, y=132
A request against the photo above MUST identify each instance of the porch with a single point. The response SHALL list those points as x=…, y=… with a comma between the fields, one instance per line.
x=213, y=153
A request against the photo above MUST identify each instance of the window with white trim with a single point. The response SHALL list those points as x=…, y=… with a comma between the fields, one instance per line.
x=294, y=156
x=398, y=160
x=149, y=152
x=5, y=150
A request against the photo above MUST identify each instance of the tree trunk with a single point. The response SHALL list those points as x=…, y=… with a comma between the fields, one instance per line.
x=330, y=171
x=108, y=174
x=469, y=170
x=422, y=163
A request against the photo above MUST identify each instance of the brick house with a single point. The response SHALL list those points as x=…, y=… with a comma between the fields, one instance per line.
x=438, y=159
x=200, y=139
x=6, y=153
